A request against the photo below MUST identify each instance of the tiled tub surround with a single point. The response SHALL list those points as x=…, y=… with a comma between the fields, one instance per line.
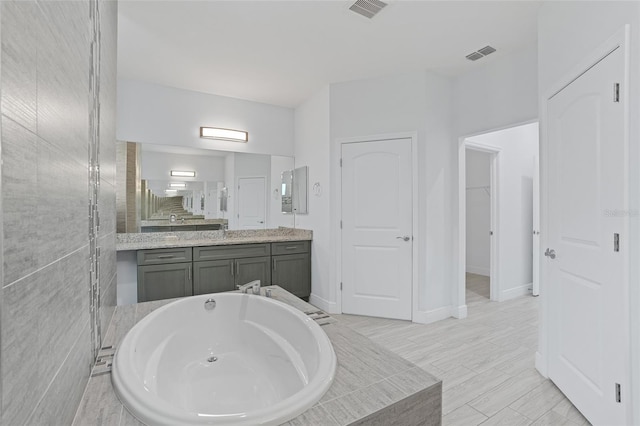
x=154, y=240
x=45, y=105
x=373, y=386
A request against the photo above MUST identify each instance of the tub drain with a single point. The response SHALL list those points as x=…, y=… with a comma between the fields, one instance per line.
x=212, y=359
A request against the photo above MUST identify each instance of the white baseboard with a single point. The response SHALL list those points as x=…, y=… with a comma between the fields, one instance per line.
x=512, y=293
x=480, y=270
x=427, y=317
x=541, y=365
x=460, y=312
x=324, y=304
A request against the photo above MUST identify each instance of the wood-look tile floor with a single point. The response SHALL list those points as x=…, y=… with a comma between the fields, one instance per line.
x=485, y=361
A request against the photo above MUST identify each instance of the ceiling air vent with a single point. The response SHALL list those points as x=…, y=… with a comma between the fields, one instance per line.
x=474, y=56
x=481, y=53
x=367, y=8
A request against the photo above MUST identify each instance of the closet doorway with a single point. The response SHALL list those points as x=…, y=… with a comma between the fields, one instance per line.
x=479, y=224
x=497, y=224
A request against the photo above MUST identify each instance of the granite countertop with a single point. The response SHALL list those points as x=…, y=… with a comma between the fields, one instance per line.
x=157, y=240
x=178, y=222
x=372, y=385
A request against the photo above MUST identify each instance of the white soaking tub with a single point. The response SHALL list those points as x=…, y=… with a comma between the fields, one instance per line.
x=251, y=360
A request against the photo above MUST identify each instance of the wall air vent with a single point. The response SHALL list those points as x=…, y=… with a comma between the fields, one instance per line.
x=480, y=53
x=367, y=8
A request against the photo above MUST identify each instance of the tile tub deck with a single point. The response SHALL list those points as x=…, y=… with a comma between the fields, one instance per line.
x=373, y=386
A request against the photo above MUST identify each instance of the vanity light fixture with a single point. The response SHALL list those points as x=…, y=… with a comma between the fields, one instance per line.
x=178, y=185
x=224, y=134
x=183, y=173
x=170, y=191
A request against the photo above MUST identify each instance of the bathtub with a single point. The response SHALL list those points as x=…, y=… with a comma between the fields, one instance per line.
x=250, y=360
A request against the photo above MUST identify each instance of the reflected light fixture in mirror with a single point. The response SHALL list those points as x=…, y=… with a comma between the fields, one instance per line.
x=183, y=173
x=224, y=134
x=177, y=185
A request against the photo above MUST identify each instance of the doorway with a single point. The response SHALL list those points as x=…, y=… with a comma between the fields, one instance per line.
x=479, y=226
x=505, y=245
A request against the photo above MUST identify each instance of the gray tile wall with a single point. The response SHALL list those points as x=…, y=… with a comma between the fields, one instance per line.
x=45, y=345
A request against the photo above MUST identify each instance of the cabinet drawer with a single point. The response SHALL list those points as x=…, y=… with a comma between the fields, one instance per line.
x=231, y=251
x=161, y=256
x=290, y=247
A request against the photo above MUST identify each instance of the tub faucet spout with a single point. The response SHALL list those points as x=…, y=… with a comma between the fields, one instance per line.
x=253, y=285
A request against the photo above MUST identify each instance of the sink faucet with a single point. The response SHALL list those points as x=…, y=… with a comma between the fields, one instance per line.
x=253, y=285
x=224, y=228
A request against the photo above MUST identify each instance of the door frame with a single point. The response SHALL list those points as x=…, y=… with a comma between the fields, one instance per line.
x=460, y=307
x=266, y=199
x=413, y=136
x=621, y=39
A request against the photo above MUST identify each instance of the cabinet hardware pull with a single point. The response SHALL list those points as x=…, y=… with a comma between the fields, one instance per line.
x=291, y=248
x=189, y=273
x=233, y=265
x=165, y=256
x=237, y=268
x=273, y=261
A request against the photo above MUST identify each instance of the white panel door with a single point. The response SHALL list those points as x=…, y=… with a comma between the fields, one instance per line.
x=377, y=228
x=586, y=287
x=251, y=203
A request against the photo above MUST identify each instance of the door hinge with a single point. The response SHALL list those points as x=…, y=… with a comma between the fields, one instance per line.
x=340, y=286
x=616, y=92
x=616, y=242
x=618, y=392
x=341, y=162
x=340, y=224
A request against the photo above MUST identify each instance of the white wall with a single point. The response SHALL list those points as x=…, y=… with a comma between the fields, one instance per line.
x=415, y=102
x=150, y=113
x=313, y=149
x=591, y=24
x=478, y=212
x=518, y=147
x=499, y=93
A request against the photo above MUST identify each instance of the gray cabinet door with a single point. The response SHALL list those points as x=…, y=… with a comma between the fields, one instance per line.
x=293, y=273
x=253, y=268
x=157, y=282
x=213, y=276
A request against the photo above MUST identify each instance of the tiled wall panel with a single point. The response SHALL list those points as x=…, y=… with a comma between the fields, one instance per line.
x=45, y=344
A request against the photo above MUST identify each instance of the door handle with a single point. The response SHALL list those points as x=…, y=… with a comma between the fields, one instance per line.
x=550, y=253
x=405, y=238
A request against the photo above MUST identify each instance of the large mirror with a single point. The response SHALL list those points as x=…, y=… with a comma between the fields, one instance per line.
x=218, y=189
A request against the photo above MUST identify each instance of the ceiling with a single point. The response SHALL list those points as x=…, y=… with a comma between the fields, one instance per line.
x=282, y=52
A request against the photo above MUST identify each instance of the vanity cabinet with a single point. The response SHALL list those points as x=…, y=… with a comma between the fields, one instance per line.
x=291, y=267
x=184, y=271
x=222, y=268
x=164, y=273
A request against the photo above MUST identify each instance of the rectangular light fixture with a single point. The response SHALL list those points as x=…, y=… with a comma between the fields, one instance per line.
x=178, y=185
x=170, y=191
x=183, y=173
x=224, y=134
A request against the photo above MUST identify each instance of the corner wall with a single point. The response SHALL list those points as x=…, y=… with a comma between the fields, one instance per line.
x=45, y=349
x=416, y=102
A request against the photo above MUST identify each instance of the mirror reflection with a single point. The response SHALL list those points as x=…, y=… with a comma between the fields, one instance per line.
x=226, y=189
